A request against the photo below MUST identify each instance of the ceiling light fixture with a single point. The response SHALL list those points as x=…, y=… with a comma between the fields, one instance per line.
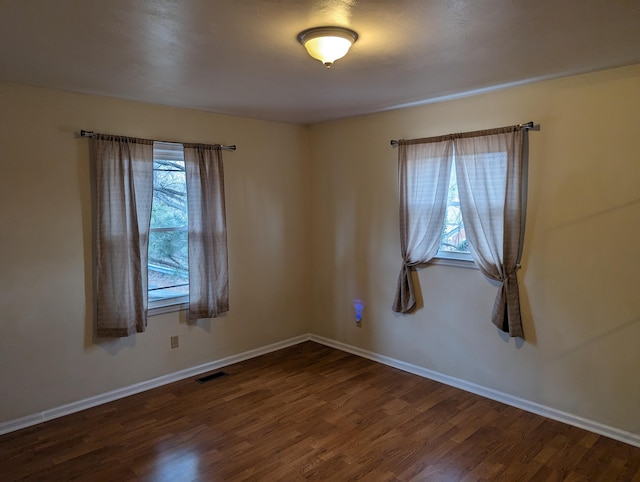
x=327, y=44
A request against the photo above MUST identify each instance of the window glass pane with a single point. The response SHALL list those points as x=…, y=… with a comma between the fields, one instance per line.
x=454, y=239
x=169, y=195
x=168, y=269
x=168, y=239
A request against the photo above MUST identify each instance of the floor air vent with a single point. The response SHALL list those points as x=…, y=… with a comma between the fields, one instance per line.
x=208, y=378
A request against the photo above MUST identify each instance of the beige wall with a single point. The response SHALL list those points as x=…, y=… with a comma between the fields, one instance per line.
x=581, y=269
x=580, y=277
x=47, y=357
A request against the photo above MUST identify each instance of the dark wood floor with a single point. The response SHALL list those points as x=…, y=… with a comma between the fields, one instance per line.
x=311, y=412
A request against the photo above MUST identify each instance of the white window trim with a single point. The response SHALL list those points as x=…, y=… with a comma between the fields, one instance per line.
x=174, y=152
x=453, y=258
x=167, y=305
x=458, y=260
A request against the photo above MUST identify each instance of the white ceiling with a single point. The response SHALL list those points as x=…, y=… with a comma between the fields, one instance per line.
x=241, y=56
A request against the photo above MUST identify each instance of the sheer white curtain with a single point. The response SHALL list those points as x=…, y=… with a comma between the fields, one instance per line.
x=424, y=169
x=208, y=265
x=123, y=190
x=489, y=170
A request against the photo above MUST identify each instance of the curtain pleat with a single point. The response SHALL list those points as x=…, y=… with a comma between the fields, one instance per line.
x=208, y=264
x=123, y=195
x=423, y=176
x=490, y=186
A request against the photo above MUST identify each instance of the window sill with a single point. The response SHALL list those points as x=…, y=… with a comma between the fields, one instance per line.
x=166, y=306
x=454, y=259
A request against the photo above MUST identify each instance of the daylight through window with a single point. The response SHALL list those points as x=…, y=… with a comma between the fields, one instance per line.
x=454, y=239
x=168, y=237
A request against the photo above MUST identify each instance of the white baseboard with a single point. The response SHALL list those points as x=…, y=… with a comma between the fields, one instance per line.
x=552, y=413
x=29, y=420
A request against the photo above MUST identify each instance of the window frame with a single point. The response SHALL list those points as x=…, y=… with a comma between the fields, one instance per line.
x=458, y=260
x=174, y=303
x=452, y=258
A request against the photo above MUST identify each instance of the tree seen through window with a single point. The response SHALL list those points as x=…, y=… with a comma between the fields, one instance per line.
x=454, y=239
x=168, y=240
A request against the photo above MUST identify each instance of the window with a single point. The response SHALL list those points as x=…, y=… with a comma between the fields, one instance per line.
x=491, y=192
x=168, y=268
x=184, y=245
x=453, y=242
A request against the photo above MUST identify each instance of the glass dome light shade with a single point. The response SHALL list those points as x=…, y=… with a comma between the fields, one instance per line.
x=327, y=44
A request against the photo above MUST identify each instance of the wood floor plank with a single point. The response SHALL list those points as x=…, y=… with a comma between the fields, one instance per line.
x=310, y=412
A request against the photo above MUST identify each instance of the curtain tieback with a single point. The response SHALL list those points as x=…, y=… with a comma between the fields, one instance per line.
x=514, y=272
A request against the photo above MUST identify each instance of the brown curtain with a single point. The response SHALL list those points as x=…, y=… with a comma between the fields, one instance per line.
x=123, y=194
x=208, y=265
x=423, y=175
x=489, y=170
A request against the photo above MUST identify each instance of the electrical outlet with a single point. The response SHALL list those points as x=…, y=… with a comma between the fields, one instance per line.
x=175, y=342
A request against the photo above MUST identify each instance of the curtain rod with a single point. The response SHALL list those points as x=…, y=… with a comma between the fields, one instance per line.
x=526, y=125
x=84, y=133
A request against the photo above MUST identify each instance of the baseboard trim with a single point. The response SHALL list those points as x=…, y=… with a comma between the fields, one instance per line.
x=552, y=413
x=29, y=420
